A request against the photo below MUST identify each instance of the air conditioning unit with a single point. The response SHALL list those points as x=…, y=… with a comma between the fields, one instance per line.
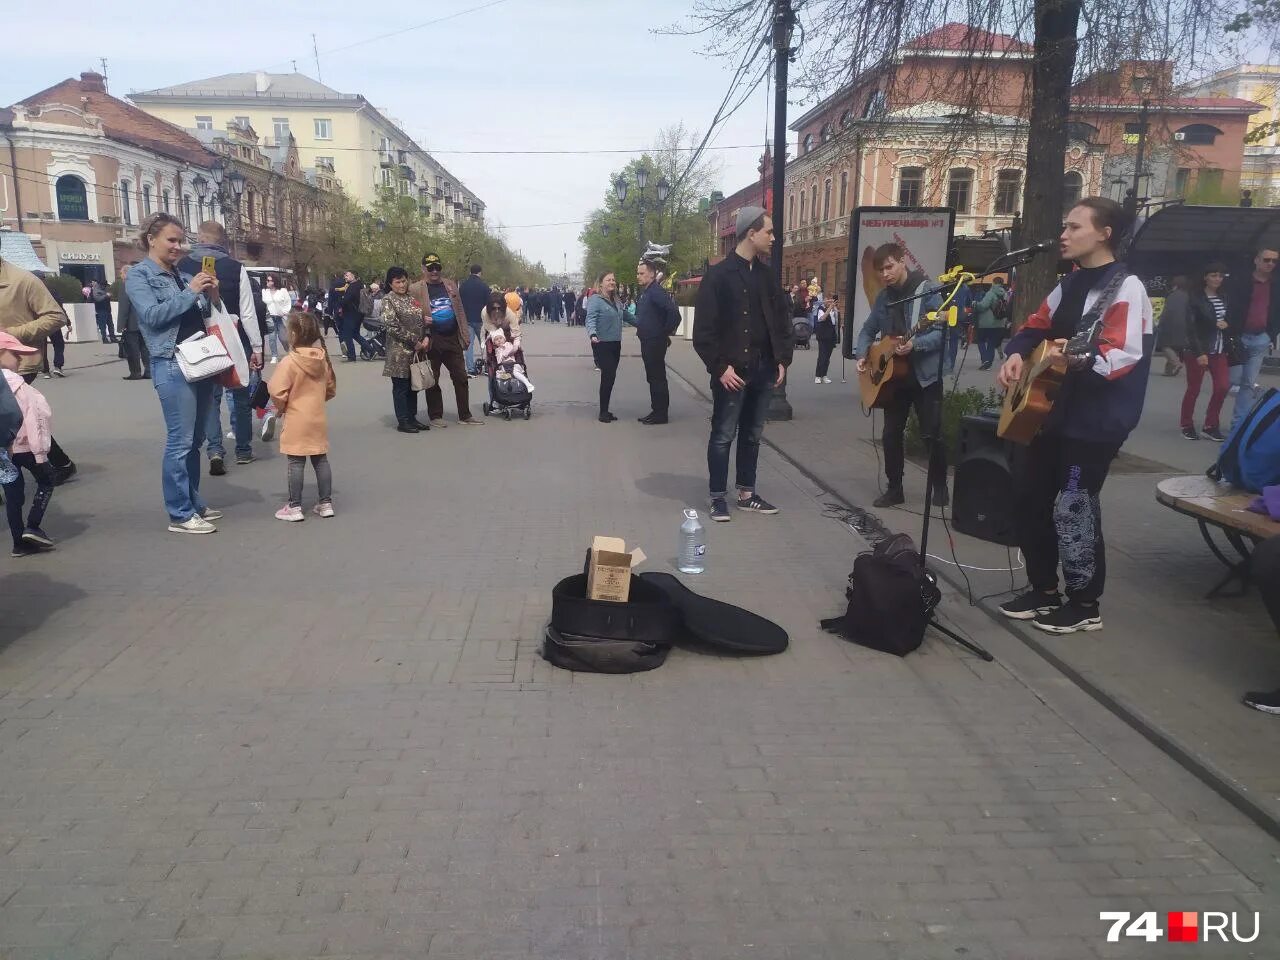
x=1180, y=135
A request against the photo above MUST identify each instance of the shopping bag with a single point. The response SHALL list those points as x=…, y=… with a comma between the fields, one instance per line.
x=420, y=375
x=224, y=326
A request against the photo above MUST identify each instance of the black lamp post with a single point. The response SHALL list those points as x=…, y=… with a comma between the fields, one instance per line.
x=237, y=190
x=784, y=21
x=202, y=190
x=642, y=180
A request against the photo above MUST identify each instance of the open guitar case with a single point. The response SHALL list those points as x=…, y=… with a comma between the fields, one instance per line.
x=603, y=636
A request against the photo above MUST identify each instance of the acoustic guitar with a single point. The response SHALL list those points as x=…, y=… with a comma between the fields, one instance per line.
x=885, y=369
x=1029, y=399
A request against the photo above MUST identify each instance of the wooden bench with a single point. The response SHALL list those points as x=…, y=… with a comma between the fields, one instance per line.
x=1224, y=507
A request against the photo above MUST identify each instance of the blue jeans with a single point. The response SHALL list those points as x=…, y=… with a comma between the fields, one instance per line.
x=1256, y=346
x=739, y=413
x=989, y=342
x=349, y=334
x=477, y=339
x=186, y=409
x=277, y=339
x=240, y=419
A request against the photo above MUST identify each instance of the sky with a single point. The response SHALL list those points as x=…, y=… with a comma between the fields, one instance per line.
x=519, y=75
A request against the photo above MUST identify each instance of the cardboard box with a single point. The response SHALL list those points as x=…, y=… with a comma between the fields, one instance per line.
x=609, y=569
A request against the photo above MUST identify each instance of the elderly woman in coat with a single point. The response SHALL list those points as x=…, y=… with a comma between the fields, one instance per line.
x=406, y=336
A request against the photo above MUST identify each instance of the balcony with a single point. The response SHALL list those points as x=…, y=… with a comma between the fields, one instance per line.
x=406, y=172
x=386, y=158
x=437, y=193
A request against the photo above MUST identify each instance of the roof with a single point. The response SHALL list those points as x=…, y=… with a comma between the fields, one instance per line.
x=1183, y=237
x=17, y=249
x=293, y=86
x=122, y=121
x=961, y=36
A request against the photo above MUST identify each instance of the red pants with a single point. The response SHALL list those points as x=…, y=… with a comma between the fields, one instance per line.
x=1220, y=376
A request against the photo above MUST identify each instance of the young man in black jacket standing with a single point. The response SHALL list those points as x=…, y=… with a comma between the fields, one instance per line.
x=741, y=332
x=656, y=320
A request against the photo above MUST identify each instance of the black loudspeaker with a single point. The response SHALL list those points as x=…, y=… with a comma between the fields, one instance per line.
x=982, y=502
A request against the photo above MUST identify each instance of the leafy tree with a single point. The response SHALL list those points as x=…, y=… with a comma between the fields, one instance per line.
x=612, y=232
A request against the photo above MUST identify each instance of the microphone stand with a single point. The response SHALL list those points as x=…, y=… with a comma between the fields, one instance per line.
x=936, y=466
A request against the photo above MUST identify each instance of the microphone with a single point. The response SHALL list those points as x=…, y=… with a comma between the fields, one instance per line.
x=1044, y=246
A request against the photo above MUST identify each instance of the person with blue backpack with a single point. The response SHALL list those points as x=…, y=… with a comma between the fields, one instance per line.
x=1058, y=506
x=1253, y=319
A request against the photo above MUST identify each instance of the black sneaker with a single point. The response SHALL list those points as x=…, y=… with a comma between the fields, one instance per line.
x=1029, y=605
x=606, y=418
x=35, y=537
x=217, y=468
x=1071, y=617
x=720, y=510
x=890, y=498
x=1214, y=434
x=1189, y=433
x=757, y=504
x=242, y=459
x=63, y=473
x=24, y=551
x=1266, y=702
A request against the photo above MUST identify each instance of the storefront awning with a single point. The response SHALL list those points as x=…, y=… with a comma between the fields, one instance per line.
x=16, y=248
x=1182, y=239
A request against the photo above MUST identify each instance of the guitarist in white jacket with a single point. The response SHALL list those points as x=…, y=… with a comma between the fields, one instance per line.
x=922, y=387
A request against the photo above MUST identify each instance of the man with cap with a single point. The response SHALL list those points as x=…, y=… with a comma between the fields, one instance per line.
x=449, y=330
x=742, y=334
x=29, y=312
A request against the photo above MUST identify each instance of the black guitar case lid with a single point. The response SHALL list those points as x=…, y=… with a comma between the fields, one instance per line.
x=603, y=636
x=718, y=624
x=601, y=654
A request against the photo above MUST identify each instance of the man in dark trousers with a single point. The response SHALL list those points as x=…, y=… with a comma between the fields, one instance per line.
x=474, y=293
x=922, y=387
x=135, y=350
x=450, y=332
x=742, y=334
x=1264, y=570
x=656, y=320
x=1253, y=318
x=350, y=318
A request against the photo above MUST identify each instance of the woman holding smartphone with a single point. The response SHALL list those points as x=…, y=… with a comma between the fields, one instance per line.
x=604, y=327
x=169, y=307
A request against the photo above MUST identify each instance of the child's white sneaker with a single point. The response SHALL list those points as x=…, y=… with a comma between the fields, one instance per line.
x=292, y=514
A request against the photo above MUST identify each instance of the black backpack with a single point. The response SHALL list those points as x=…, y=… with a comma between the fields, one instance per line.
x=1000, y=307
x=891, y=597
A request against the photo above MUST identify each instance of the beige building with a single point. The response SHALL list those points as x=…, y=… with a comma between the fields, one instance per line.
x=367, y=152
x=1257, y=82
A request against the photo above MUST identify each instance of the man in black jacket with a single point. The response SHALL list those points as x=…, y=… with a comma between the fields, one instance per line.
x=474, y=293
x=135, y=349
x=741, y=333
x=656, y=320
x=350, y=318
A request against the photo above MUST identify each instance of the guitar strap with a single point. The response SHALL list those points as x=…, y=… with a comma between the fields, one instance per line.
x=1106, y=298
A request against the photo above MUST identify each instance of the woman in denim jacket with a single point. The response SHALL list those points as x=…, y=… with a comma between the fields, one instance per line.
x=170, y=307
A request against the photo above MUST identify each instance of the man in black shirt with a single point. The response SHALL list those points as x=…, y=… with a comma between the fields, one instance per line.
x=740, y=332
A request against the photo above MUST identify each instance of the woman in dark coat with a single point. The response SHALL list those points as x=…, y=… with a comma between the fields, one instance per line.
x=1171, y=333
x=406, y=332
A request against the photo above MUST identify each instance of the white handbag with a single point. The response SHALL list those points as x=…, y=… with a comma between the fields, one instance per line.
x=201, y=357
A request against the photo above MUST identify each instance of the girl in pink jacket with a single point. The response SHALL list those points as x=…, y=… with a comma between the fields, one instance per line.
x=30, y=451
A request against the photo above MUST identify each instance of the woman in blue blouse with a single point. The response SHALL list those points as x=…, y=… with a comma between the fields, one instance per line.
x=604, y=327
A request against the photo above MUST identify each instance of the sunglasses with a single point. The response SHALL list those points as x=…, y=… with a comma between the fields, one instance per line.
x=434, y=269
x=1271, y=259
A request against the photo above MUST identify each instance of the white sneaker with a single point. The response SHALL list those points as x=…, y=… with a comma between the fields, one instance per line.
x=826, y=379
x=269, y=427
x=817, y=379
x=323, y=510
x=291, y=514
x=275, y=359
x=211, y=514
x=193, y=524
x=231, y=434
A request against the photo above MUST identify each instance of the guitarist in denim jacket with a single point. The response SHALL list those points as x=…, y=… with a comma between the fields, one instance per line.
x=922, y=387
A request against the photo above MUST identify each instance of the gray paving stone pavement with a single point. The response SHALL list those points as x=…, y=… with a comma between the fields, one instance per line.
x=336, y=738
x=1177, y=662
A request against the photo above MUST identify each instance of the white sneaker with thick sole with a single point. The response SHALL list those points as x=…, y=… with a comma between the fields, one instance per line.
x=323, y=510
x=193, y=524
x=291, y=514
x=268, y=427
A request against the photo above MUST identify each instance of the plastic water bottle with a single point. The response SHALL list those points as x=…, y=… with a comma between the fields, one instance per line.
x=693, y=546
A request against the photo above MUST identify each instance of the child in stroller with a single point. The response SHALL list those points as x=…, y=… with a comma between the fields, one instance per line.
x=510, y=390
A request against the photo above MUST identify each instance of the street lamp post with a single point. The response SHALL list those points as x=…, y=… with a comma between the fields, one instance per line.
x=784, y=21
x=237, y=190
x=642, y=180
x=202, y=190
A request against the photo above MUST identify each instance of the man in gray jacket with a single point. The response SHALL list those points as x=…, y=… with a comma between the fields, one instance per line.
x=135, y=351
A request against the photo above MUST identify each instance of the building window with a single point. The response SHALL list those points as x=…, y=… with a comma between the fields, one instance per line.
x=1197, y=135
x=73, y=203
x=242, y=122
x=846, y=118
x=844, y=192
x=126, y=203
x=910, y=186
x=802, y=200
x=1008, y=192
x=280, y=128
x=204, y=123
x=791, y=212
x=826, y=202
x=1072, y=187
x=808, y=142
x=874, y=106
x=826, y=132
x=324, y=162
x=186, y=208
x=324, y=129
x=1181, y=181
x=164, y=202
x=959, y=189
x=146, y=199
x=813, y=203
x=386, y=177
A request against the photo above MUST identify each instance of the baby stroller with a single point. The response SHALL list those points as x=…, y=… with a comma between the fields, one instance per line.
x=377, y=335
x=801, y=332
x=507, y=398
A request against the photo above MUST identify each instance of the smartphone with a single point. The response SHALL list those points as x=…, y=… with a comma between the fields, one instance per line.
x=208, y=265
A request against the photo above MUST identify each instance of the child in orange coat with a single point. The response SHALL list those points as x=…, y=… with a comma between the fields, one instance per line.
x=302, y=384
